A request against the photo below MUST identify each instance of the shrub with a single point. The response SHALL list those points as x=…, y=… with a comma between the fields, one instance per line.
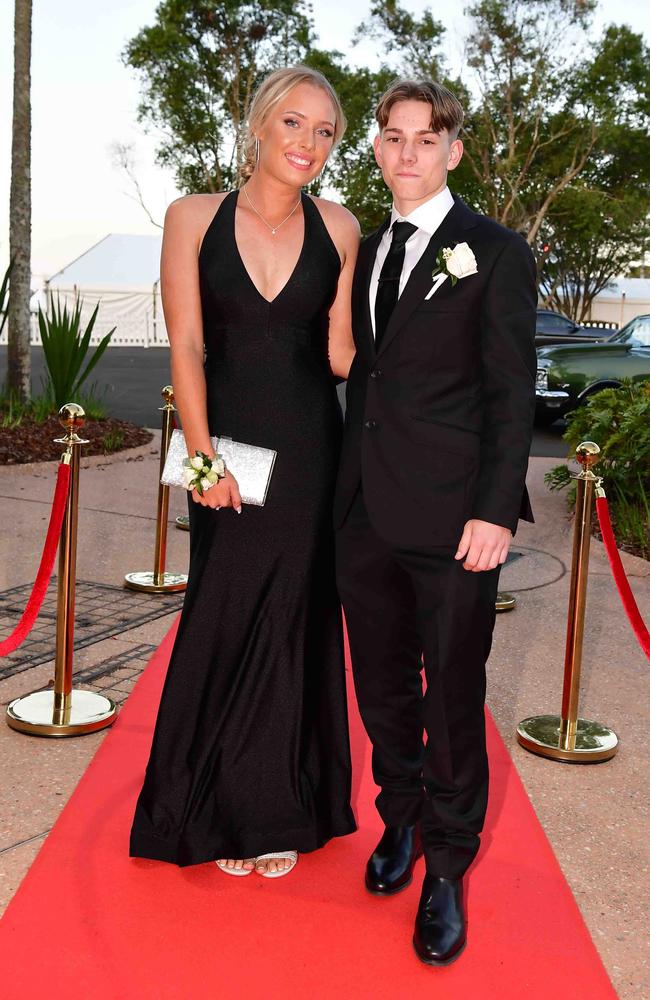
x=618, y=420
x=65, y=347
x=13, y=409
x=113, y=441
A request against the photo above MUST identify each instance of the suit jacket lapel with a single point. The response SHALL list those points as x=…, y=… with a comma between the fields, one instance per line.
x=458, y=219
x=367, y=255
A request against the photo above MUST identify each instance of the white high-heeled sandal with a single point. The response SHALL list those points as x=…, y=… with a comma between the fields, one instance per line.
x=236, y=871
x=291, y=856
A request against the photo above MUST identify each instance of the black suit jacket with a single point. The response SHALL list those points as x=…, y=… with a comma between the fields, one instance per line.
x=439, y=419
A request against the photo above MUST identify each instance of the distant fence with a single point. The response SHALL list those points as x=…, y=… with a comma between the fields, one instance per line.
x=148, y=332
x=137, y=317
x=599, y=324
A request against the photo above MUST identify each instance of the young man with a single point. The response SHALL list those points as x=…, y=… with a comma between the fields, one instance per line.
x=440, y=403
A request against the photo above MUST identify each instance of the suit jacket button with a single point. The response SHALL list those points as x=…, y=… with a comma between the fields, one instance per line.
x=375, y=373
x=371, y=424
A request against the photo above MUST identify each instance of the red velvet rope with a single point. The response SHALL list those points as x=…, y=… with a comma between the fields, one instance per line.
x=30, y=614
x=624, y=589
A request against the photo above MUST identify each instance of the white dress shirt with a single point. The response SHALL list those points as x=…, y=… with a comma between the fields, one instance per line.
x=427, y=217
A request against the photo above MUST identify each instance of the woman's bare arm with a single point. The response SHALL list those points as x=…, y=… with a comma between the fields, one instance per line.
x=186, y=221
x=344, y=230
x=179, y=276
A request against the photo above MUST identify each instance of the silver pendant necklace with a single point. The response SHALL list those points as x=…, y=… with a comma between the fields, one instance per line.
x=273, y=229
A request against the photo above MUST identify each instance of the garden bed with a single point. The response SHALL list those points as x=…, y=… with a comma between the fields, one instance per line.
x=30, y=440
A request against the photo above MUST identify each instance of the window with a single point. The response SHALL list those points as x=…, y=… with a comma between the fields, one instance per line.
x=636, y=333
x=641, y=335
x=553, y=323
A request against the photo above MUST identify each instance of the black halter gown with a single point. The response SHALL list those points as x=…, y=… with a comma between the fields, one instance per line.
x=250, y=752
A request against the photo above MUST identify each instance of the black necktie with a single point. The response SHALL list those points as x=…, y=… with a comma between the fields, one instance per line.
x=391, y=272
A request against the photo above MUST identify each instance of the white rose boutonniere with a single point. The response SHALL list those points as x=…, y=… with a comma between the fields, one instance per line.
x=455, y=263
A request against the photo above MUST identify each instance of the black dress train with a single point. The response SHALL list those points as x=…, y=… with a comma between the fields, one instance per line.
x=250, y=752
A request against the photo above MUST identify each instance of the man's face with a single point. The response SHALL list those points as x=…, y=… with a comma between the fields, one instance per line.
x=414, y=160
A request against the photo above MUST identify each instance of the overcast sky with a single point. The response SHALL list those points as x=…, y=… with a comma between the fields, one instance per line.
x=84, y=99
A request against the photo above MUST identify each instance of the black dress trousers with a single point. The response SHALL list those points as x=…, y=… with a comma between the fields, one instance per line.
x=403, y=607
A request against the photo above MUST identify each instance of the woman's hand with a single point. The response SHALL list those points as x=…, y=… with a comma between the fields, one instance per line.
x=225, y=493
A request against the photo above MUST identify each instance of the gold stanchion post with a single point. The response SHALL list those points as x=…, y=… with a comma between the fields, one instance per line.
x=505, y=602
x=566, y=737
x=65, y=711
x=159, y=581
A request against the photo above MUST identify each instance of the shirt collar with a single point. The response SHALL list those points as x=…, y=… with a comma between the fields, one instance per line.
x=429, y=215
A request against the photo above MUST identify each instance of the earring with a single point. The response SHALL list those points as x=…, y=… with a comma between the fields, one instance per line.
x=257, y=150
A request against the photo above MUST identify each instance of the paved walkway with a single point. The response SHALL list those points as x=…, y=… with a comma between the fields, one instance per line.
x=595, y=816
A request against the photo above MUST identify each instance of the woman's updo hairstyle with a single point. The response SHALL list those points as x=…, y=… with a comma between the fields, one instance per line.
x=271, y=91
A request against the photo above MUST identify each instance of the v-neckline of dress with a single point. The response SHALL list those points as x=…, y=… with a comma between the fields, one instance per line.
x=270, y=302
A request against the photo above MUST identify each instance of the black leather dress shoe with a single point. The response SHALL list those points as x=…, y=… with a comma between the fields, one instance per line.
x=440, y=929
x=390, y=867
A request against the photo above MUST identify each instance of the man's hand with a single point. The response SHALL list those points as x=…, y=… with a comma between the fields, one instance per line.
x=483, y=546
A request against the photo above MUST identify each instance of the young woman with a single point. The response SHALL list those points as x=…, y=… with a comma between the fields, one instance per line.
x=250, y=760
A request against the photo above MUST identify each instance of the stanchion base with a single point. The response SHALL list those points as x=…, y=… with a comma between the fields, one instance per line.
x=146, y=581
x=34, y=714
x=183, y=522
x=505, y=602
x=541, y=735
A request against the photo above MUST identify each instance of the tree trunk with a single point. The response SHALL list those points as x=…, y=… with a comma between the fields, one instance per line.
x=20, y=207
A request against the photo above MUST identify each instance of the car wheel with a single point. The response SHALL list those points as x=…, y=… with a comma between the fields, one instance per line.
x=594, y=390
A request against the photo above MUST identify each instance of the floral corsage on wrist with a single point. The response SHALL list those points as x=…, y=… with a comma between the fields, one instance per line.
x=201, y=472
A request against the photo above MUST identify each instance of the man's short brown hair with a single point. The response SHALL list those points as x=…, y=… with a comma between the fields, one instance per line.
x=446, y=110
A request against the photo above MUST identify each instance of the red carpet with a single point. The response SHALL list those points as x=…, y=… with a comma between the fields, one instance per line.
x=88, y=923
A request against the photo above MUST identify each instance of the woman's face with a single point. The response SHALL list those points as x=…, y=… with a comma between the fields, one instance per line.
x=297, y=138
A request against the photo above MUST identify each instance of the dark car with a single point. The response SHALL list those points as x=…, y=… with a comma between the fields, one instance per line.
x=568, y=375
x=554, y=328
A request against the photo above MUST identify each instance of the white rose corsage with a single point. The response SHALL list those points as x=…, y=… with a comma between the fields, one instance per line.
x=201, y=472
x=455, y=263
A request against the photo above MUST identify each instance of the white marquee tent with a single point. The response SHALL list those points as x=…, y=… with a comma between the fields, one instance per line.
x=122, y=273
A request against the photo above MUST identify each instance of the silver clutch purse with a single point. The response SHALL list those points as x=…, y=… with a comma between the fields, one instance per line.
x=250, y=465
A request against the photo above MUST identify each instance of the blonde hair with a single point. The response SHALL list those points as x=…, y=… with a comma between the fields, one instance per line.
x=446, y=110
x=271, y=91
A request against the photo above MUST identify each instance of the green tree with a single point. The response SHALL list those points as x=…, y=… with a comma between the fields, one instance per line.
x=411, y=45
x=593, y=236
x=598, y=227
x=199, y=65
x=525, y=142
